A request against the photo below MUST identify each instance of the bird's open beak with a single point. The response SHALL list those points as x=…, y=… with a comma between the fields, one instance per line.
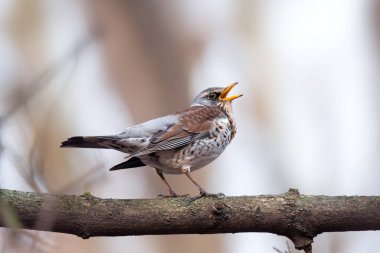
x=223, y=95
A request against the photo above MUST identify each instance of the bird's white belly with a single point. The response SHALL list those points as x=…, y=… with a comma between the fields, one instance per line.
x=173, y=162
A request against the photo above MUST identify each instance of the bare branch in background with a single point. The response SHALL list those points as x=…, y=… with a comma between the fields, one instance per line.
x=90, y=177
x=289, y=250
x=31, y=168
x=298, y=217
x=44, y=78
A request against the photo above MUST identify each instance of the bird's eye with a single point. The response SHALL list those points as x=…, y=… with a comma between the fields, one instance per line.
x=212, y=95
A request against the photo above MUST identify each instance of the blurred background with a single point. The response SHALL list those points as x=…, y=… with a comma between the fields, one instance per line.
x=309, y=117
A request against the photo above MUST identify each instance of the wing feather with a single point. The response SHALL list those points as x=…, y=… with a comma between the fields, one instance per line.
x=194, y=123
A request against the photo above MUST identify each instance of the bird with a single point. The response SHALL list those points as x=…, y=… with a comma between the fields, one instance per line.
x=178, y=143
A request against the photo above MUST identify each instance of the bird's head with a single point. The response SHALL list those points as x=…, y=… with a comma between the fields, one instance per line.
x=216, y=96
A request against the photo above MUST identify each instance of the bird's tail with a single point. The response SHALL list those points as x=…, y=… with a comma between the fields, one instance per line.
x=131, y=163
x=91, y=142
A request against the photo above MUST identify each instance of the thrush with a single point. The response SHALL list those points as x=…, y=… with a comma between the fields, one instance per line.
x=178, y=143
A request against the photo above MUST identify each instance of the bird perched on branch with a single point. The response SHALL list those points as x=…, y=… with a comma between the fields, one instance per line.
x=178, y=143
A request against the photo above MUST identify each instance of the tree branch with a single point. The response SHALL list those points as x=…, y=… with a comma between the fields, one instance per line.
x=298, y=217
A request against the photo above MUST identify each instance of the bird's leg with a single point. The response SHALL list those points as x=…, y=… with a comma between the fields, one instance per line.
x=202, y=191
x=172, y=193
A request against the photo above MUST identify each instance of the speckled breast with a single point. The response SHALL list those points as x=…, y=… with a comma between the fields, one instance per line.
x=194, y=155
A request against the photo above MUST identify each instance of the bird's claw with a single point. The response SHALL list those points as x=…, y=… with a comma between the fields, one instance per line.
x=172, y=194
x=207, y=194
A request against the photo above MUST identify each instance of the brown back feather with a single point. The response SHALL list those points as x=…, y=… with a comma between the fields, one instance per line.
x=193, y=120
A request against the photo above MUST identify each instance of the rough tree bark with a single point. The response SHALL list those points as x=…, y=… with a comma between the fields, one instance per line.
x=298, y=217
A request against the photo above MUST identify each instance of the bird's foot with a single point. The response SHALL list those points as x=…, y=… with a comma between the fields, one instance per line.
x=171, y=195
x=207, y=194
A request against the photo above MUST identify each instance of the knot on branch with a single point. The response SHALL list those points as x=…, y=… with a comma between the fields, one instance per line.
x=302, y=242
x=88, y=201
x=293, y=192
x=221, y=212
x=298, y=232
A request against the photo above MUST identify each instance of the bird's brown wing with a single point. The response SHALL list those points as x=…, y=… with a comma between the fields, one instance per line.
x=193, y=123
